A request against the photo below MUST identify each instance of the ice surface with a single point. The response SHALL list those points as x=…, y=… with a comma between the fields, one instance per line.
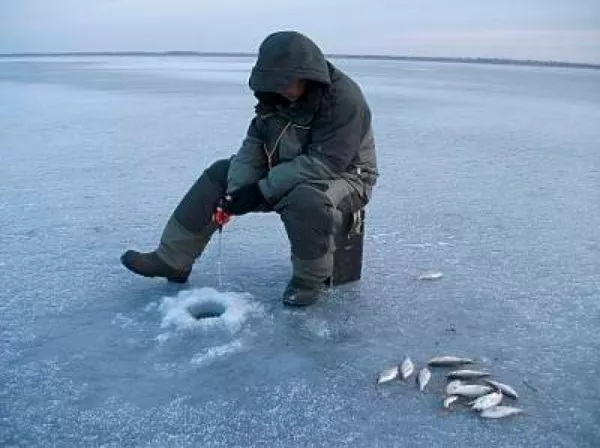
x=213, y=353
x=490, y=175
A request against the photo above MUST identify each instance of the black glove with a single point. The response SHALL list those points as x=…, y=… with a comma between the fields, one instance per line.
x=243, y=200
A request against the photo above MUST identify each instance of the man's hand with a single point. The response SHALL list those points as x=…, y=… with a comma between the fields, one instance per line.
x=243, y=200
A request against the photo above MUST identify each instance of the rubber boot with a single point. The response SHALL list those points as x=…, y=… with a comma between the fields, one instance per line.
x=301, y=294
x=308, y=282
x=150, y=265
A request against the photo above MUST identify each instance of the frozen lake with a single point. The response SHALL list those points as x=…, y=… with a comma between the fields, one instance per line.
x=489, y=174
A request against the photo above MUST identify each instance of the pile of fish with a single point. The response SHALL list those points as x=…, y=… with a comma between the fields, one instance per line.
x=473, y=388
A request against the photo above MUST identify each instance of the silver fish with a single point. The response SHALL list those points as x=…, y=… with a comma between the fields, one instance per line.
x=407, y=368
x=449, y=400
x=467, y=374
x=432, y=275
x=504, y=388
x=500, y=411
x=487, y=401
x=472, y=390
x=448, y=361
x=453, y=386
x=388, y=374
x=423, y=378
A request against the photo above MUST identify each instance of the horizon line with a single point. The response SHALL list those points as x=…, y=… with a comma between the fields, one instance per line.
x=462, y=59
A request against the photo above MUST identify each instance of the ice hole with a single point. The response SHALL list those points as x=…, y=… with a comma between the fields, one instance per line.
x=206, y=310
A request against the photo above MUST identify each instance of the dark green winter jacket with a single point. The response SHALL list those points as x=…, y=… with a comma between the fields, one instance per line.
x=324, y=135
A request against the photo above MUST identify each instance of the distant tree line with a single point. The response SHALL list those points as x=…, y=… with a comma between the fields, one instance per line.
x=500, y=61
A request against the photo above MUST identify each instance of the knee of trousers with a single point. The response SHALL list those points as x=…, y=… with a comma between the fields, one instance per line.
x=195, y=209
x=308, y=216
x=217, y=172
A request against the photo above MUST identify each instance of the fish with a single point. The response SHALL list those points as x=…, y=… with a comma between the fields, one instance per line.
x=453, y=386
x=448, y=361
x=487, y=401
x=500, y=411
x=449, y=400
x=467, y=374
x=471, y=390
x=388, y=374
x=433, y=275
x=407, y=368
x=423, y=378
x=504, y=388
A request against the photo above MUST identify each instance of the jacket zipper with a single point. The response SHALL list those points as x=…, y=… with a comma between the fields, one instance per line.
x=268, y=153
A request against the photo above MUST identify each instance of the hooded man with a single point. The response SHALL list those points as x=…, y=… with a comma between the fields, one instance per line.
x=308, y=155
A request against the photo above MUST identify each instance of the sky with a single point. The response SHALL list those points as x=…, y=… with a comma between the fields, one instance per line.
x=565, y=30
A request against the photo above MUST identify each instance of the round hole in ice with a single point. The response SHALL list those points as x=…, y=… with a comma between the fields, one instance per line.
x=206, y=310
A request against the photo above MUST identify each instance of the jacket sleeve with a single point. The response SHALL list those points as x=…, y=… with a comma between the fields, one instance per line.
x=335, y=144
x=249, y=164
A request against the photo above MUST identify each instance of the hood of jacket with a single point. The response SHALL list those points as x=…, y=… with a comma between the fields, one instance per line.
x=286, y=56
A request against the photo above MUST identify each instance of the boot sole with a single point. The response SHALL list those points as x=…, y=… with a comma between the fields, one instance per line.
x=179, y=280
x=298, y=304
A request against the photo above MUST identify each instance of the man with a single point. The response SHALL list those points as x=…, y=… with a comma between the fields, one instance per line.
x=309, y=155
